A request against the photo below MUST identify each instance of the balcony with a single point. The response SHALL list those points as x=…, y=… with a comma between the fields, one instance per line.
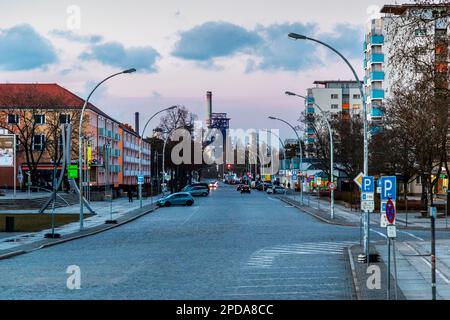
x=377, y=76
x=311, y=131
x=377, y=113
x=377, y=58
x=377, y=94
x=377, y=39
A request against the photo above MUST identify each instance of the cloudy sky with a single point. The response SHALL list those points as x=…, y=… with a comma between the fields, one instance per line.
x=237, y=49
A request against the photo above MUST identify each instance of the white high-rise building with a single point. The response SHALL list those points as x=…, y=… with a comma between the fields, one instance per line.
x=378, y=47
x=333, y=97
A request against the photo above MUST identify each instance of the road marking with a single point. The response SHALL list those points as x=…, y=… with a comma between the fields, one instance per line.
x=377, y=232
x=287, y=285
x=264, y=258
x=296, y=278
x=309, y=293
x=195, y=209
x=412, y=235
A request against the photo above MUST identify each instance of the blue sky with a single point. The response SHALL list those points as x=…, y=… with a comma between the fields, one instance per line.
x=237, y=49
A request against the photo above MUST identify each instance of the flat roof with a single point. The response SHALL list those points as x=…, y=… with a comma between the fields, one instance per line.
x=335, y=81
x=400, y=9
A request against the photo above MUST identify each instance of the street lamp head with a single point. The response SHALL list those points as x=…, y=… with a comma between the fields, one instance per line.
x=172, y=107
x=290, y=93
x=297, y=36
x=132, y=70
x=272, y=118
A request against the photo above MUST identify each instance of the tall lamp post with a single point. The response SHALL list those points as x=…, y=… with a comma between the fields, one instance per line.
x=140, y=148
x=301, y=154
x=80, y=136
x=331, y=148
x=366, y=128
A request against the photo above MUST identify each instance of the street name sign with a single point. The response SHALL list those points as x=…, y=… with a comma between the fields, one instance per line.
x=140, y=180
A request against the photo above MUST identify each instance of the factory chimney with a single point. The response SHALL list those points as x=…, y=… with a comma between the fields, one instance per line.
x=208, y=107
x=136, y=122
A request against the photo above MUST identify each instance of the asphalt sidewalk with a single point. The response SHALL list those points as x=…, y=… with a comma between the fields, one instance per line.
x=122, y=211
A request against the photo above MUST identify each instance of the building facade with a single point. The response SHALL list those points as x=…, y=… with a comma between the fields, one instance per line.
x=113, y=147
x=378, y=46
x=333, y=97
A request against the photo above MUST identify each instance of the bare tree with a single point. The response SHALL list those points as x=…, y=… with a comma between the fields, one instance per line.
x=31, y=113
x=417, y=110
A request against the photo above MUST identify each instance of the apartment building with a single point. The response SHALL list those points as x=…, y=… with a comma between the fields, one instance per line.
x=114, y=146
x=378, y=46
x=333, y=97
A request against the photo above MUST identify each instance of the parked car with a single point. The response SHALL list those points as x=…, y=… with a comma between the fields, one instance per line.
x=246, y=189
x=277, y=190
x=199, y=184
x=198, y=191
x=263, y=186
x=180, y=198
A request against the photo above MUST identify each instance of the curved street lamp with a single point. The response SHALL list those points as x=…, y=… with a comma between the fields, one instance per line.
x=301, y=154
x=297, y=36
x=140, y=150
x=331, y=147
x=80, y=136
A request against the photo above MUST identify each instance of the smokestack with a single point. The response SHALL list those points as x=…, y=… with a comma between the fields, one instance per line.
x=136, y=122
x=208, y=107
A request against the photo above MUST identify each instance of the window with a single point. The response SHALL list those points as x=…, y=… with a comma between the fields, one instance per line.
x=356, y=96
x=64, y=118
x=39, y=119
x=419, y=180
x=334, y=96
x=39, y=142
x=334, y=106
x=13, y=119
x=420, y=32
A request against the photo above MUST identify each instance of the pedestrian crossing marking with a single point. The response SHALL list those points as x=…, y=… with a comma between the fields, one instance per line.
x=264, y=258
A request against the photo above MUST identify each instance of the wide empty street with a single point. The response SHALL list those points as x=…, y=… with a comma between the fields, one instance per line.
x=226, y=246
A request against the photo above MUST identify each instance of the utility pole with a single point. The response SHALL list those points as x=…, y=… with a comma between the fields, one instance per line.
x=433, y=252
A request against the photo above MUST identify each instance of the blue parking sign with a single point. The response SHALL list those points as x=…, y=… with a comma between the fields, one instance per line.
x=368, y=185
x=388, y=188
